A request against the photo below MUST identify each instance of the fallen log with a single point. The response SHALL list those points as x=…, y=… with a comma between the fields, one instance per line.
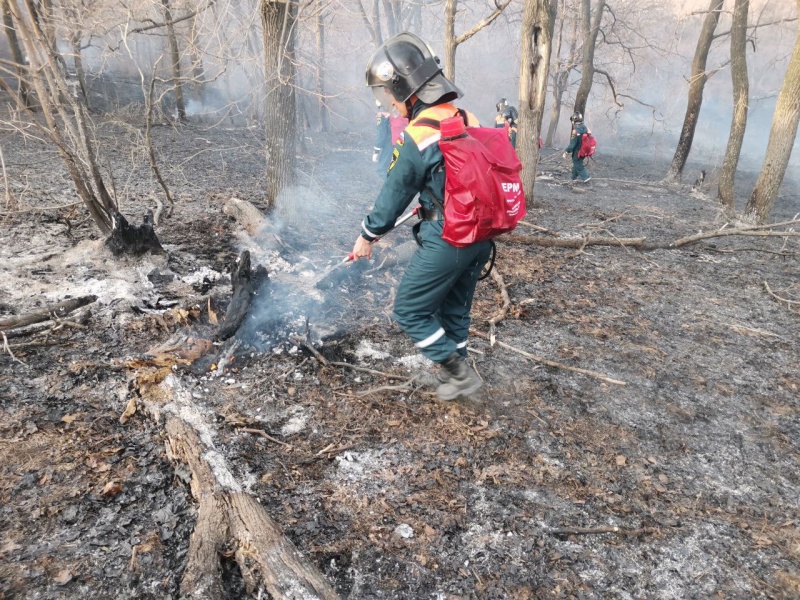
x=55, y=311
x=227, y=517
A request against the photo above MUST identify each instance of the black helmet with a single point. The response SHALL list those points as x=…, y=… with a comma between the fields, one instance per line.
x=405, y=65
x=501, y=104
x=576, y=117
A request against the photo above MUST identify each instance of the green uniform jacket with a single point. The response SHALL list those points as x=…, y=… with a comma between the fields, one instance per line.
x=434, y=298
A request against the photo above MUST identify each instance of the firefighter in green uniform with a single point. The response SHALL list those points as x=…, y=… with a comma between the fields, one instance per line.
x=434, y=299
x=574, y=147
x=507, y=117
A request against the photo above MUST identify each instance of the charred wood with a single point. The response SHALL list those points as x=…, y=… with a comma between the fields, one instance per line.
x=226, y=515
x=245, y=284
x=132, y=239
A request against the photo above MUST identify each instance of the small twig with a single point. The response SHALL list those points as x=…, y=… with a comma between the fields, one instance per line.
x=310, y=347
x=774, y=295
x=406, y=385
x=601, y=530
x=362, y=369
x=550, y=363
x=265, y=435
x=501, y=315
x=537, y=227
x=7, y=348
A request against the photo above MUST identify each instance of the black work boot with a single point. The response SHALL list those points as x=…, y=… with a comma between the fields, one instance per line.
x=461, y=379
x=430, y=379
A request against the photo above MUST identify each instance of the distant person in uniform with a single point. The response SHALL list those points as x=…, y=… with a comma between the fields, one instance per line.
x=574, y=148
x=388, y=126
x=507, y=117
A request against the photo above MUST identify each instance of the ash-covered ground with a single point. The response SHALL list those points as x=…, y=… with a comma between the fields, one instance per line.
x=390, y=492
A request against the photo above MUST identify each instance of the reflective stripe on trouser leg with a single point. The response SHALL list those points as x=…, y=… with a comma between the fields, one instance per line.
x=435, y=293
x=579, y=170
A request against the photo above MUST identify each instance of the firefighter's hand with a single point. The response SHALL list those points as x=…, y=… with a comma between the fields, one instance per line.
x=362, y=249
x=565, y=155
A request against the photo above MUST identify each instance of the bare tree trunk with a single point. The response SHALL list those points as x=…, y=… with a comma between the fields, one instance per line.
x=451, y=41
x=696, y=85
x=176, y=61
x=16, y=54
x=561, y=77
x=538, y=23
x=450, y=44
x=781, y=139
x=392, y=17
x=322, y=104
x=75, y=43
x=281, y=107
x=741, y=92
x=374, y=26
x=591, y=28
x=63, y=112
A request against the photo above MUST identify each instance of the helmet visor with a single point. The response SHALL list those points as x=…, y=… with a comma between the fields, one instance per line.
x=382, y=96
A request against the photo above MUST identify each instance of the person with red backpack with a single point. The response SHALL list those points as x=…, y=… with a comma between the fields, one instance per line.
x=434, y=299
x=580, y=133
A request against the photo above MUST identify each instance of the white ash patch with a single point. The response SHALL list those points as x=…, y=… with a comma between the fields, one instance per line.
x=295, y=424
x=198, y=276
x=360, y=466
x=415, y=362
x=368, y=350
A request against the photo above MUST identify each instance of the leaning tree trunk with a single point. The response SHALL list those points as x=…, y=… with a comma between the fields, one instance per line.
x=697, y=83
x=77, y=59
x=175, y=55
x=591, y=29
x=538, y=23
x=280, y=110
x=63, y=111
x=741, y=92
x=781, y=139
x=23, y=89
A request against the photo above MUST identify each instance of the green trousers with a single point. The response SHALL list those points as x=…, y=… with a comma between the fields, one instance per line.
x=434, y=299
x=578, y=169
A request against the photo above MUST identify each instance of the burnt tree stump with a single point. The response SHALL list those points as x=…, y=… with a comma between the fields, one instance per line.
x=130, y=239
x=245, y=284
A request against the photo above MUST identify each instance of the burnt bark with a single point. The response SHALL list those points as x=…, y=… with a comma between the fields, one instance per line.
x=245, y=284
x=322, y=104
x=227, y=514
x=133, y=239
x=280, y=110
x=538, y=23
x=697, y=83
x=781, y=139
x=741, y=92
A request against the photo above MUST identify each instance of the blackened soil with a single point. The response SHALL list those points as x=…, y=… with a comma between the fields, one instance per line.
x=392, y=493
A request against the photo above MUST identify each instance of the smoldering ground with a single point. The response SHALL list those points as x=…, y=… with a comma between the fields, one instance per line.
x=389, y=492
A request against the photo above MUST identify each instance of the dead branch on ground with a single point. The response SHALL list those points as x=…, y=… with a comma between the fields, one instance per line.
x=547, y=362
x=774, y=295
x=640, y=243
x=225, y=512
x=501, y=315
x=601, y=530
x=53, y=311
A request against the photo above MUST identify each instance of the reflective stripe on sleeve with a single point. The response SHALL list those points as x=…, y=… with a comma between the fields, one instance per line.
x=429, y=340
x=367, y=231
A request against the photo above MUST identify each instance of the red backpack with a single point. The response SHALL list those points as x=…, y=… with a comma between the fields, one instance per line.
x=483, y=195
x=588, y=145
